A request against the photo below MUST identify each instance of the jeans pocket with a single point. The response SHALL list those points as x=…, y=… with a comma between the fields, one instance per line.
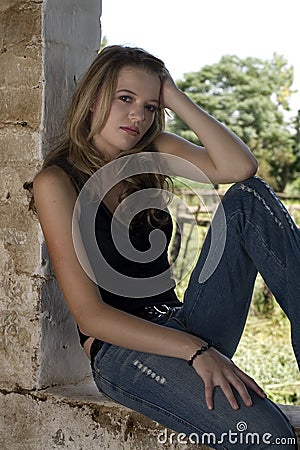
x=100, y=357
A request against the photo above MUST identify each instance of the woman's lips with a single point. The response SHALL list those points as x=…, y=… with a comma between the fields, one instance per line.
x=131, y=130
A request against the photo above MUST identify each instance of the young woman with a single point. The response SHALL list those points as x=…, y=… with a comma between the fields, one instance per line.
x=167, y=360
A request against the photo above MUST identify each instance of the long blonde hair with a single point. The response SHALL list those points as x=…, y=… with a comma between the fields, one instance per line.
x=76, y=146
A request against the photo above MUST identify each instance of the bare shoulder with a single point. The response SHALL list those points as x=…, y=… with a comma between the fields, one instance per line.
x=53, y=180
x=52, y=175
x=53, y=190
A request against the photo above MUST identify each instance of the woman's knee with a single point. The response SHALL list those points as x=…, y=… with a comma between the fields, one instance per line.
x=266, y=424
x=251, y=185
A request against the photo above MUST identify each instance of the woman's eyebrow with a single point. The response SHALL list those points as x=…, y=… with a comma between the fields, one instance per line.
x=131, y=92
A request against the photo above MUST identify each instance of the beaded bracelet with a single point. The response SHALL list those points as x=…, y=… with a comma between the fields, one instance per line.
x=200, y=351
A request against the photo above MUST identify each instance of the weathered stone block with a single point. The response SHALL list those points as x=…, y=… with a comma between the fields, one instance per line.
x=21, y=104
x=20, y=27
x=19, y=345
x=58, y=419
x=18, y=147
x=80, y=418
x=19, y=70
x=19, y=229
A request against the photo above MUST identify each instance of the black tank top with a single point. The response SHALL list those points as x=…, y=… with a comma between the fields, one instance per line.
x=139, y=238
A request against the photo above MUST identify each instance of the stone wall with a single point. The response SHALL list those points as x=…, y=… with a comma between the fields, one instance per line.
x=45, y=47
x=21, y=108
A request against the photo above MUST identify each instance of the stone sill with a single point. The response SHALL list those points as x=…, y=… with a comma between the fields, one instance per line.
x=78, y=417
x=132, y=429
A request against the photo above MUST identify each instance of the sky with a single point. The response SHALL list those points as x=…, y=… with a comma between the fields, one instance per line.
x=188, y=34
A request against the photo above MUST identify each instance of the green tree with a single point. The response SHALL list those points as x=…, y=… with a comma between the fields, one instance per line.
x=296, y=150
x=250, y=96
x=104, y=43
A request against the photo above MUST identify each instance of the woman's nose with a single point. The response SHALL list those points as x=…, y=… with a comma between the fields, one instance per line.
x=137, y=113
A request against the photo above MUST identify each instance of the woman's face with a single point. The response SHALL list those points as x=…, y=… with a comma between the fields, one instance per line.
x=132, y=111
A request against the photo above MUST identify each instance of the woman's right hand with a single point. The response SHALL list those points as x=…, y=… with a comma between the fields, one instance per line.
x=217, y=369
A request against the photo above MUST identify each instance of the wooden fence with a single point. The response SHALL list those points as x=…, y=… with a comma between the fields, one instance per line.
x=199, y=206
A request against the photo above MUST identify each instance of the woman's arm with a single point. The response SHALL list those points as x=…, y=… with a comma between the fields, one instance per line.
x=224, y=157
x=55, y=198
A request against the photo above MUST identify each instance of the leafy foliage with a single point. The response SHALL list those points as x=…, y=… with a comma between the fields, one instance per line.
x=296, y=151
x=250, y=96
x=104, y=43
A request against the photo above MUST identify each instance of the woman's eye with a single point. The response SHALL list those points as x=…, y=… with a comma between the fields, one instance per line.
x=125, y=98
x=151, y=108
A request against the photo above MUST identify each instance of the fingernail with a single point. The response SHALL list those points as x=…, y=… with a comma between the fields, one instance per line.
x=249, y=402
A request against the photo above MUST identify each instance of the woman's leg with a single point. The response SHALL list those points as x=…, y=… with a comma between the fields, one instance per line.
x=259, y=236
x=169, y=391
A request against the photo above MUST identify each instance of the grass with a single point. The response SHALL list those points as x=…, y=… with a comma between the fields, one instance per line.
x=265, y=350
x=266, y=354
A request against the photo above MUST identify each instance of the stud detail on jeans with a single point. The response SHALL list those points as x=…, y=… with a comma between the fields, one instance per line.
x=260, y=198
x=149, y=372
x=281, y=205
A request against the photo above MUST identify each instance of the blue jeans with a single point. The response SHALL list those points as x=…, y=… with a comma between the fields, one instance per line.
x=260, y=236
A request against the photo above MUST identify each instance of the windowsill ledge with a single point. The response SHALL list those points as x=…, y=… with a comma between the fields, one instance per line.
x=143, y=429
x=79, y=417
